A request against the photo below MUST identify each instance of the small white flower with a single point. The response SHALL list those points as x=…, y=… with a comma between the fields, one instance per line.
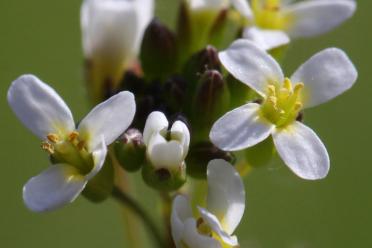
x=112, y=30
x=324, y=76
x=272, y=20
x=217, y=223
x=78, y=153
x=218, y=5
x=166, y=148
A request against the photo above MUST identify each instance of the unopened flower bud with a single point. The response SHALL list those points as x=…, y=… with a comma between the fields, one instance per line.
x=166, y=150
x=205, y=59
x=199, y=156
x=130, y=150
x=211, y=101
x=158, y=51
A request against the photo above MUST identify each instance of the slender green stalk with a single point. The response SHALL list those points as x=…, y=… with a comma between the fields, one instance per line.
x=140, y=212
x=167, y=208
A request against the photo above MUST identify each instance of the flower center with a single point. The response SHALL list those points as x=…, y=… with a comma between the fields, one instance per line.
x=70, y=150
x=268, y=15
x=282, y=103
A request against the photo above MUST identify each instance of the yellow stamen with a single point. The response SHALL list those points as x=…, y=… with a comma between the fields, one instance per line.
x=81, y=145
x=282, y=103
x=73, y=136
x=47, y=147
x=54, y=138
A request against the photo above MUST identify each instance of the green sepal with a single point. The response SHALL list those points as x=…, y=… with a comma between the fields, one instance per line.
x=99, y=188
x=164, y=179
x=130, y=156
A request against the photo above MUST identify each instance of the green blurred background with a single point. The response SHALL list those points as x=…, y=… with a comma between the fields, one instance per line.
x=43, y=37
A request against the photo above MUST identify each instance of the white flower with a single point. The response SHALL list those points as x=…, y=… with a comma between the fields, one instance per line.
x=166, y=148
x=112, y=31
x=217, y=223
x=272, y=20
x=324, y=76
x=77, y=153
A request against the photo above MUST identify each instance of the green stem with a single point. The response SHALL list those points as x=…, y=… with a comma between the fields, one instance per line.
x=140, y=212
x=167, y=209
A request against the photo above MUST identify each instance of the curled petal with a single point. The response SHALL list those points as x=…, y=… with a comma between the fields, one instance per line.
x=215, y=225
x=240, y=128
x=181, y=211
x=180, y=132
x=302, y=151
x=193, y=239
x=266, y=39
x=39, y=107
x=155, y=122
x=310, y=18
x=99, y=157
x=108, y=119
x=326, y=75
x=55, y=187
x=226, y=195
x=251, y=65
x=163, y=153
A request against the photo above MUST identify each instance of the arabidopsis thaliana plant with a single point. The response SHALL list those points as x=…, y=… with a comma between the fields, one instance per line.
x=215, y=225
x=324, y=76
x=272, y=22
x=167, y=147
x=77, y=153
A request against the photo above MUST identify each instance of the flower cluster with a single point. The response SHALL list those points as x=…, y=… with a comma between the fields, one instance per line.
x=207, y=100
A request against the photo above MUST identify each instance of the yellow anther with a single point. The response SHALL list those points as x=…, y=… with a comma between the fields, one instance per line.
x=73, y=136
x=81, y=145
x=287, y=84
x=54, y=138
x=298, y=87
x=47, y=147
x=273, y=101
x=271, y=90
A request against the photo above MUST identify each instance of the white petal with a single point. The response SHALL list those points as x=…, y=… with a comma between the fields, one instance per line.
x=214, y=223
x=163, y=153
x=310, y=18
x=99, y=157
x=208, y=4
x=266, y=39
x=110, y=119
x=326, y=75
x=114, y=28
x=156, y=121
x=181, y=211
x=180, y=132
x=39, y=107
x=226, y=195
x=193, y=239
x=242, y=6
x=55, y=187
x=240, y=128
x=302, y=151
x=251, y=65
